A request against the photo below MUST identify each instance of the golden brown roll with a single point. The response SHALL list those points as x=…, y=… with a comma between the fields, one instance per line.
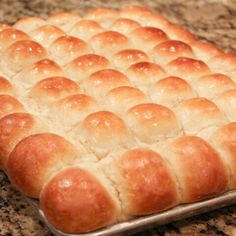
x=178, y=32
x=67, y=48
x=35, y=157
x=103, y=16
x=170, y=91
x=37, y=71
x=93, y=208
x=9, y=104
x=46, y=34
x=215, y=83
x=102, y=132
x=121, y=99
x=187, y=68
x=85, y=29
x=144, y=16
x=74, y=108
x=153, y=123
x=29, y=23
x=124, y=25
x=200, y=116
x=50, y=89
x=200, y=171
x=171, y=49
x=225, y=62
x=5, y=86
x=204, y=50
x=145, y=182
x=13, y=128
x=63, y=20
x=224, y=141
x=83, y=66
x=123, y=59
x=147, y=37
x=100, y=82
x=9, y=36
x=20, y=54
x=145, y=74
x=109, y=42
x=227, y=103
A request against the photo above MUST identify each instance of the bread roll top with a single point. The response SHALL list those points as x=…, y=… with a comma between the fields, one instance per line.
x=93, y=208
x=200, y=171
x=36, y=157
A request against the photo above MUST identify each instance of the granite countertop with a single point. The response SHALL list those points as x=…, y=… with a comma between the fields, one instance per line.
x=211, y=20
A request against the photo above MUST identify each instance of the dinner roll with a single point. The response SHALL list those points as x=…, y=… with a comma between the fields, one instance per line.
x=109, y=41
x=29, y=23
x=224, y=142
x=216, y=83
x=103, y=16
x=121, y=99
x=171, y=49
x=85, y=29
x=94, y=206
x=102, y=132
x=53, y=88
x=187, y=68
x=9, y=104
x=83, y=66
x=37, y=71
x=63, y=20
x=20, y=54
x=200, y=171
x=170, y=91
x=46, y=34
x=226, y=101
x=67, y=48
x=13, y=128
x=153, y=123
x=145, y=182
x=74, y=108
x=124, y=25
x=146, y=37
x=204, y=50
x=123, y=59
x=145, y=74
x=100, y=82
x=9, y=36
x=178, y=32
x=205, y=112
x=37, y=156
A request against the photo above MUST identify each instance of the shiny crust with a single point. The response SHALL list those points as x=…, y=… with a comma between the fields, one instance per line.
x=83, y=66
x=13, y=128
x=8, y=105
x=20, y=54
x=37, y=156
x=53, y=88
x=96, y=113
x=200, y=171
x=57, y=199
x=153, y=123
x=153, y=189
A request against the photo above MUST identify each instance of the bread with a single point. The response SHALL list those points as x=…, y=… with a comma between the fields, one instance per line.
x=114, y=115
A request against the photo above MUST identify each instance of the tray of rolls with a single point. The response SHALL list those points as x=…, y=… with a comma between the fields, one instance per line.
x=116, y=120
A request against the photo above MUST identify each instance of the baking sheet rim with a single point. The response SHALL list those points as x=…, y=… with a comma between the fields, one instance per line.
x=137, y=224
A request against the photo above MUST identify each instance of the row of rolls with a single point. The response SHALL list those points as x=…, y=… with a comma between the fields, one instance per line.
x=101, y=133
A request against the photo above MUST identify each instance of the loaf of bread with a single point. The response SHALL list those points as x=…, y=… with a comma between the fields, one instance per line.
x=114, y=115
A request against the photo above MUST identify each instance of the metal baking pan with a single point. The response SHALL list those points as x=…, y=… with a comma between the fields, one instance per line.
x=141, y=223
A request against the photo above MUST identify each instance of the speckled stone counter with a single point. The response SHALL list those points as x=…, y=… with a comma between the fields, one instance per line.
x=211, y=20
